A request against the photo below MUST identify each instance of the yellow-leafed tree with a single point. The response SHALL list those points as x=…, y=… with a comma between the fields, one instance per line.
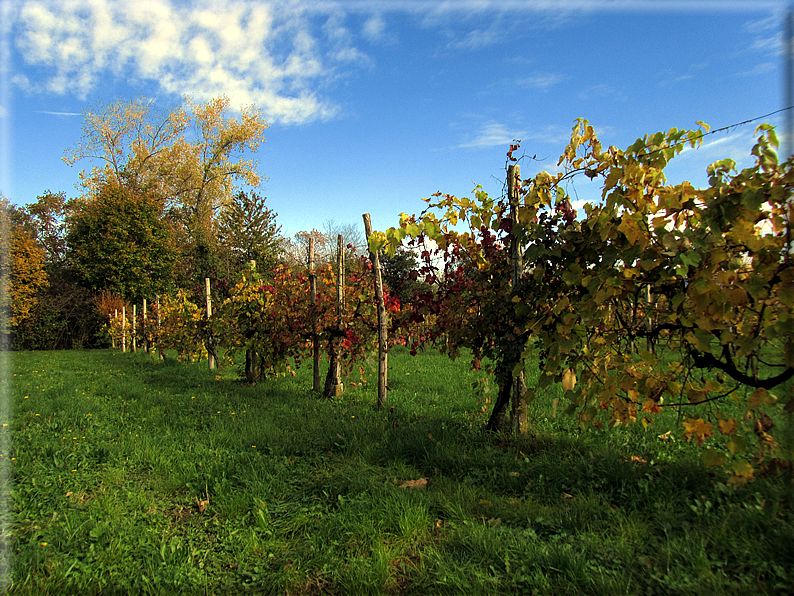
x=28, y=275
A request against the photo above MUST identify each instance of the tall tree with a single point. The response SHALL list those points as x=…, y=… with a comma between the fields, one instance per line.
x=247, y=231
x=44, y=220
x=400, y=275
x=191, y=157
x=296, y=249
x=122, y=243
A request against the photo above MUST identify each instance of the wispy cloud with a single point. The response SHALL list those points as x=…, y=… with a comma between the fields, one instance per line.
x=602, y=91
x=279, y=54
x=542, y=81
x=59, y=113
x=760, y=68
x=491, y=134
x=437, y=7
x=374, y=28
x=497, y=134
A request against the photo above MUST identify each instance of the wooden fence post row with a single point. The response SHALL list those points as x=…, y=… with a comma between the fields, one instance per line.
x=333, y=384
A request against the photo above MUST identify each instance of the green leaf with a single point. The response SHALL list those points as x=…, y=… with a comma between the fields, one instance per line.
x=712, y=458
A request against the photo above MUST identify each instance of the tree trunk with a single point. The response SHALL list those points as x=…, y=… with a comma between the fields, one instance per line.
x=498, y=420
x=333, y=385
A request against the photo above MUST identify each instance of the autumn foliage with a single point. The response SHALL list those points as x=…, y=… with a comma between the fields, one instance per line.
x=661, y=296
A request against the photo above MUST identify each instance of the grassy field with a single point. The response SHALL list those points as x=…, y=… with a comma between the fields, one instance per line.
x=132, y=476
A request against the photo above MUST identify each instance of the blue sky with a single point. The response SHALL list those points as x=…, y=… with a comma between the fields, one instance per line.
x=373, y=105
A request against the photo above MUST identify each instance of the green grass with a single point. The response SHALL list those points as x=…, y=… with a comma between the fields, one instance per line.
x=133, y=476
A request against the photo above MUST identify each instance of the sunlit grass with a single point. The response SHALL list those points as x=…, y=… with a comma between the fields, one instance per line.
x=133, y=476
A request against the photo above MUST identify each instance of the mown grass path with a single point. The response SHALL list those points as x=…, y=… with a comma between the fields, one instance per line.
x=132, y=476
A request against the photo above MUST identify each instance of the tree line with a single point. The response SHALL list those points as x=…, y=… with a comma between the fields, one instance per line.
x=172, y=202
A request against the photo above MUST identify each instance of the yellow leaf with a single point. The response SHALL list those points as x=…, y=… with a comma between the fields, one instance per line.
x=728, y=427
x=650, y=406
x=757, y=398
x=568, y=380
x=632, y=231
x=698, y=429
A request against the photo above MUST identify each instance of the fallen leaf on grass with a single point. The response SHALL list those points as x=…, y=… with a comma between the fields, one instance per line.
x=421, y=483
x=665, y=436
x=638, y=459
x=494, y=521
x=567, y=496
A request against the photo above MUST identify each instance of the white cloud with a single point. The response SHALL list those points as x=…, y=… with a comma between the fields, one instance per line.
x=492, y=134
x=276, y=54
x=760, y=68
x=496, y=134
x=59, y=113
x=254, y=53
x=374, y=28
x=542, y=81
x=602, y=91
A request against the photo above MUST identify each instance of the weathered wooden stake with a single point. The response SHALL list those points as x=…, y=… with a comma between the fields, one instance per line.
x=143, y=330
x=383, y=324
x=112, y=334
x=159, y=350
x=250, y=355
x=316, y=381
x=519, y=397
x=134, y=328
x=210, y=359
x=333, y=381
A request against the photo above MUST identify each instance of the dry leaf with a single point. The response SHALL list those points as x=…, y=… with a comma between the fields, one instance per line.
x=567, y=496
x=494, y=521
x=665, y=436
x=203, y=505
x=421, y=483
x=69, y=494
x=638, y=459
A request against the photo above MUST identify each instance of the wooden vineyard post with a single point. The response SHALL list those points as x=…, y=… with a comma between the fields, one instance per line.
x=159, y=350
x=134, y=328
x=316, y=382
x=143, y=330
x=383, y=324
x=112, y=332
x=250, y=355
x=123, y=328
x=210, y=359
x=333, y=381
x=518, y=412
